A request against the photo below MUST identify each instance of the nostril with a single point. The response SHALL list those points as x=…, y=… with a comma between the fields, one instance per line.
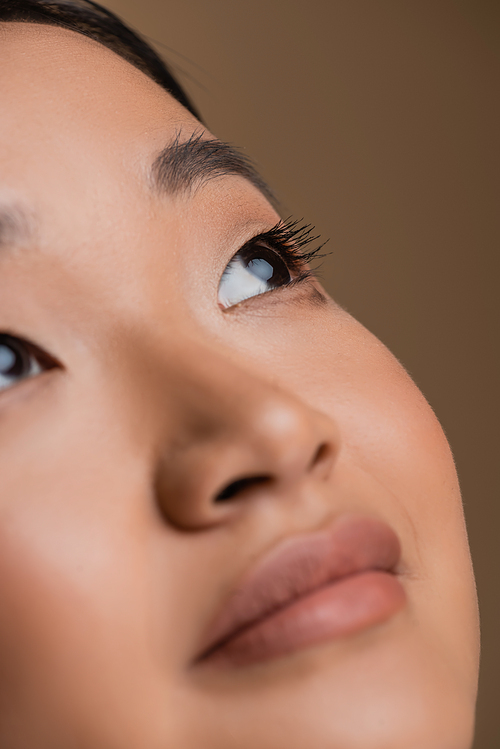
x=236, y=487
x=322, y=456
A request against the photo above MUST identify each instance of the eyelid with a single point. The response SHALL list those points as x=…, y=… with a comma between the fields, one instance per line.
x=279, y=295
x=289, y=238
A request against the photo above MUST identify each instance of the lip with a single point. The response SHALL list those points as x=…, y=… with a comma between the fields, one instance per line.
x=310, y=589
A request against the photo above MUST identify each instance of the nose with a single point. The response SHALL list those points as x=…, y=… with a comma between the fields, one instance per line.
x=231, y=434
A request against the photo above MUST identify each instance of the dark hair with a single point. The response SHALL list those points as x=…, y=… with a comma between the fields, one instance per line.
x=90, y=19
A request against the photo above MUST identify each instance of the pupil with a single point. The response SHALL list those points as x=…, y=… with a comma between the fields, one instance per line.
x=261, y=268
x=267, y=266
x=11, y=362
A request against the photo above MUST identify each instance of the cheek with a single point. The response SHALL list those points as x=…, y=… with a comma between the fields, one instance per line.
x=394, y=459
x=387, y=428
x=74, y=589
x=77, y=651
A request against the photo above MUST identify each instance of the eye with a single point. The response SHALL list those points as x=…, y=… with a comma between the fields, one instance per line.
x=19, y=360
x=254, y=270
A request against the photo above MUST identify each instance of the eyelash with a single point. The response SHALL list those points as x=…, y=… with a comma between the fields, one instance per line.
x=289, y=238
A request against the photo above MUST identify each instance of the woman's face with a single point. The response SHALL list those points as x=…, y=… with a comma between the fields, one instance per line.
x=148, y=600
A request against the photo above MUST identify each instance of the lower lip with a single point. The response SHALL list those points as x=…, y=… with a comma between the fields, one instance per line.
x=340, y=609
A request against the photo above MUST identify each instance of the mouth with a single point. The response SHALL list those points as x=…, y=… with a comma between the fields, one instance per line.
x=310, y=589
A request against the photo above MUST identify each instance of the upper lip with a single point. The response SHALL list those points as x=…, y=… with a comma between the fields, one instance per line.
x=300, y=565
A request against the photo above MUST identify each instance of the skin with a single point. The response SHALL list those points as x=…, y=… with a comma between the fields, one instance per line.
x=113, y=556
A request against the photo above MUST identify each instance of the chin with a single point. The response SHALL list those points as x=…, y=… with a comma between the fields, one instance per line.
x=387, y=688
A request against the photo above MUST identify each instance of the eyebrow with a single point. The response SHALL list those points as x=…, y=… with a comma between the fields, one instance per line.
x=184, y=166
x=181, y=167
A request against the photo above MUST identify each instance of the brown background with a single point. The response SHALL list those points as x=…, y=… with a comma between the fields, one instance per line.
x=379, y=121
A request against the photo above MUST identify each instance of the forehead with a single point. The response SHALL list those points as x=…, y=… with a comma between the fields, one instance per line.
x=79, y=124
x=66, y=81
x=79, y=132
x=74, y=109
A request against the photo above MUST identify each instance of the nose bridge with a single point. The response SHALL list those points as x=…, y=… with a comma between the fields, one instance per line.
x=233, y=429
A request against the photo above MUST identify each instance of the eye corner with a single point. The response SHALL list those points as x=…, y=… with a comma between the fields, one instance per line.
x=22, y=360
